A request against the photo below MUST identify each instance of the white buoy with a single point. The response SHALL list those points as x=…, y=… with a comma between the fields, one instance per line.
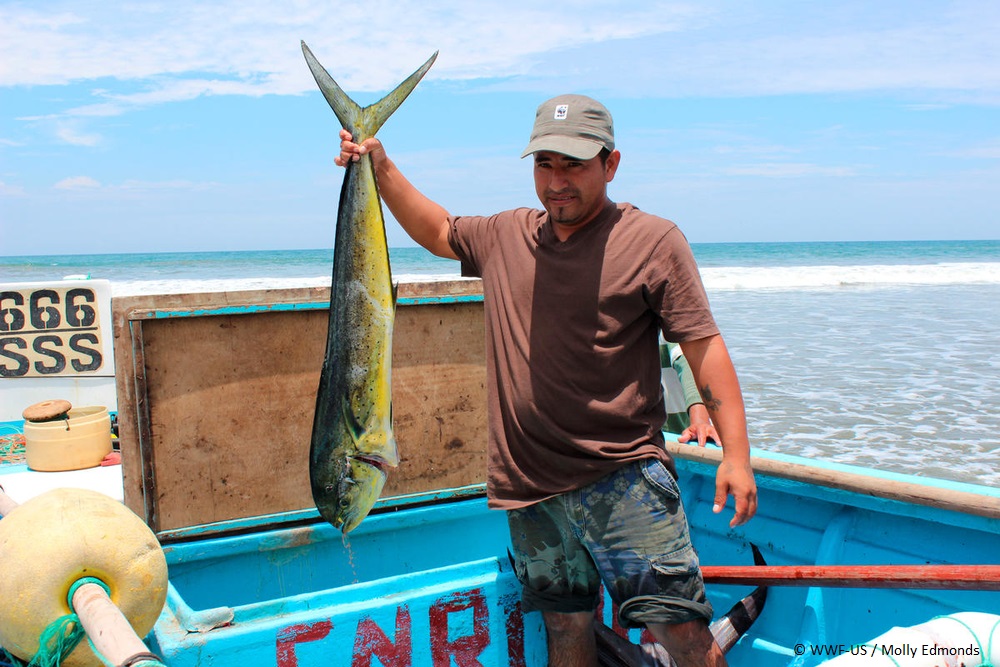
x=965, y=639
x=56, y=539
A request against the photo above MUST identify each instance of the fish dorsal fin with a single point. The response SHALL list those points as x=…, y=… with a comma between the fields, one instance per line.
x=362, y=122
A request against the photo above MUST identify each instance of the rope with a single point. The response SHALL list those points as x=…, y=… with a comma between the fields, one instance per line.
x=61, y=636
x=12, y=448
x=8, y=660
x=989, y=642
x=82, y=581
x=58, y=641
x=987, y=651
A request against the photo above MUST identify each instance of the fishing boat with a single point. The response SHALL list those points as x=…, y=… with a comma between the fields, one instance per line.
x=215, y=397
x=426, y=579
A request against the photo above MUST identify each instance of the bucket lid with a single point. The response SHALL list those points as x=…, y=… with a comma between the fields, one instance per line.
x=46, y=410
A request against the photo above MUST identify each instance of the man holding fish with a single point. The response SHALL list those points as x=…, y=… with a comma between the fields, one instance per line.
x=575, y=298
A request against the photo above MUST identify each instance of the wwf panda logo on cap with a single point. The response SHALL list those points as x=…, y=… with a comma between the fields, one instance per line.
x=574, y=125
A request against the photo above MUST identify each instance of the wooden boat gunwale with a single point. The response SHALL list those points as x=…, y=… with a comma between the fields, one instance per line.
x=927, y=492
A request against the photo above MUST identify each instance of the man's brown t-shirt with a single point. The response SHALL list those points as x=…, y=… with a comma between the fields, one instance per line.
x=572, y=342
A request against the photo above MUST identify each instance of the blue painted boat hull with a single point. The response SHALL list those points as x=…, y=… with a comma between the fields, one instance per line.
x=804, y=523
x=411, y=587
x=432, y=585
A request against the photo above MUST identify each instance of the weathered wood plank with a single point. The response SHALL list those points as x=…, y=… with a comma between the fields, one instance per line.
x=878, y=487
x=216, y=396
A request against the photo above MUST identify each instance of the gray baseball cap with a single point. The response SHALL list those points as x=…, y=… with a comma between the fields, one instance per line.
x=573, y=125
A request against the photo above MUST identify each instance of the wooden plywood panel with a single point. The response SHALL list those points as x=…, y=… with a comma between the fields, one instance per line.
x=439, y=397
x=216, y=401
x=231, y=405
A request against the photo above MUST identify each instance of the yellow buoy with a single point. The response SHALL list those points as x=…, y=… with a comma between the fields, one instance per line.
x=50, y=542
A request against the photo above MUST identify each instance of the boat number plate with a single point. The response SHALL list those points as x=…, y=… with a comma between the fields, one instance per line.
x=50, y=331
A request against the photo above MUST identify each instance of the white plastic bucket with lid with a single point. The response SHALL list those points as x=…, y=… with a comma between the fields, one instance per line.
x=81, y=440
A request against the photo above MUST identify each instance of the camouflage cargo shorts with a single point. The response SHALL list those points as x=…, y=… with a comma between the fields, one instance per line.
x=627, y=530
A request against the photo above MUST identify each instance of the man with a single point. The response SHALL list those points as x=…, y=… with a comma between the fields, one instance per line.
x=575, y=297
x=686, y=411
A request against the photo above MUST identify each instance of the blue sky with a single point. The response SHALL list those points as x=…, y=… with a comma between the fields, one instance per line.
x=181, y=126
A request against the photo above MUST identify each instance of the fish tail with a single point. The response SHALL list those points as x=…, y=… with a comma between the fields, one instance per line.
x=728, y=629
x=362, y=122
x=614, y=650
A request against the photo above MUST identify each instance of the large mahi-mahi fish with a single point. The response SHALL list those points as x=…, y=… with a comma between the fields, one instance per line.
x=352, y=440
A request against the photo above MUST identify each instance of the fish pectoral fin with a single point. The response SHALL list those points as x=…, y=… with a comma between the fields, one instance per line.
x=372, y=442
x=355, y=426
x=379, y=449
x=360, y=425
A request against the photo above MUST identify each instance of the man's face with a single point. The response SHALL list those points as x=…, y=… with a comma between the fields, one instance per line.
x=572, y=191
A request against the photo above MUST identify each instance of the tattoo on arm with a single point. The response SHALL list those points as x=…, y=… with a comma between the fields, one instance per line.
x=713, y=404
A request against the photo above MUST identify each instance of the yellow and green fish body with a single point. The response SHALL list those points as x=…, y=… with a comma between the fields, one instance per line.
x=352, y=439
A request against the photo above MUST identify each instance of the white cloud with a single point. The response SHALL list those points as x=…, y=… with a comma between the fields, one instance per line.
x=7, y=190
x=257, y=42
x=145, y=54
x=181, y=50
x=77, y=183
x=131, y=187
x=70, y=133
x=989, y=150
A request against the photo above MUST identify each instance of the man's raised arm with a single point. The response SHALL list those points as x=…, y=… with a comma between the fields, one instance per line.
x=424, y=220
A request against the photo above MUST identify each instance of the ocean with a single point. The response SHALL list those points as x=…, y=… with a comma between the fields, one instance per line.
x=879, y=354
